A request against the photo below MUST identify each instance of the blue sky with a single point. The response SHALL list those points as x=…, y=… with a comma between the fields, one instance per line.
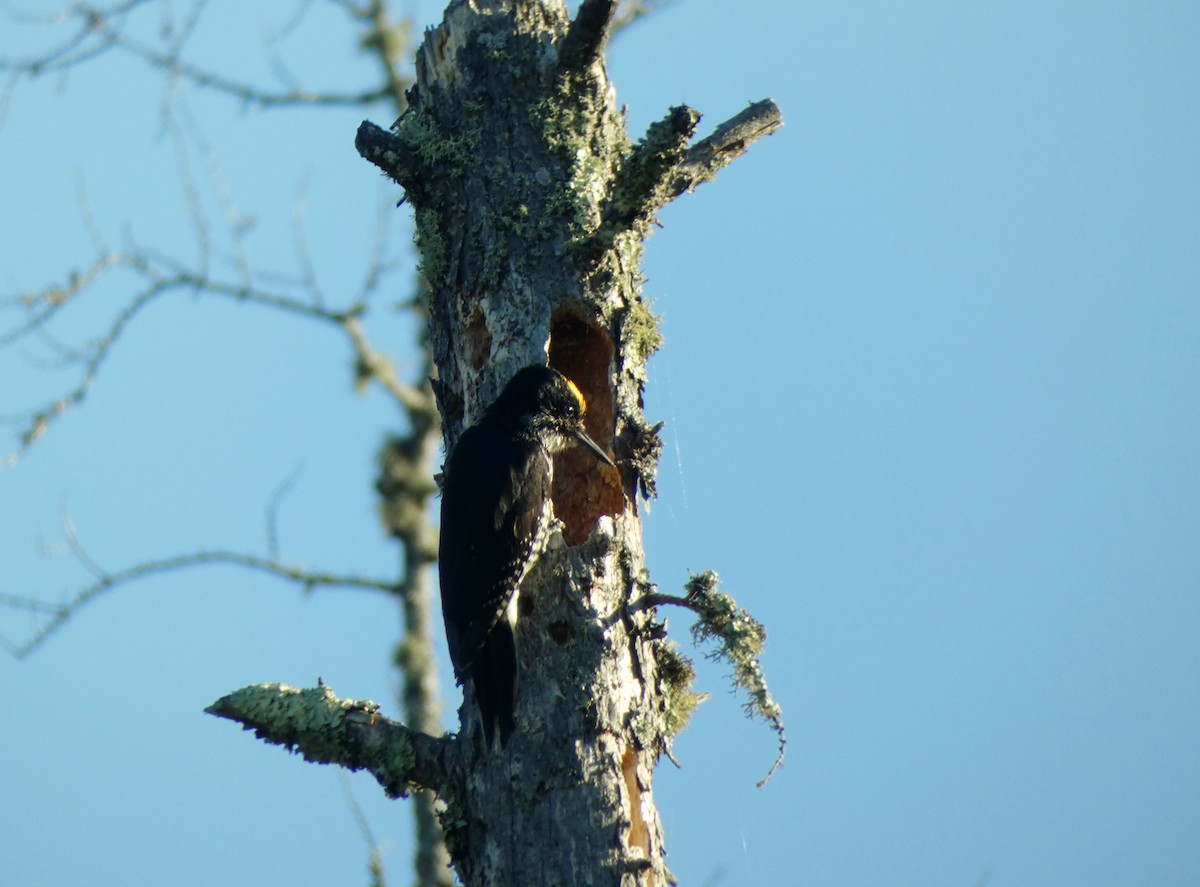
x=930, y=386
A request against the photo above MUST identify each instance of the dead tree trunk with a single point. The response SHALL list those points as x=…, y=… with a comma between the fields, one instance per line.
x=531, y=206
x=515, y=140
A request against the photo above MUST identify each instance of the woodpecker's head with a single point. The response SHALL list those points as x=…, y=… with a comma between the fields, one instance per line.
x=542, y=404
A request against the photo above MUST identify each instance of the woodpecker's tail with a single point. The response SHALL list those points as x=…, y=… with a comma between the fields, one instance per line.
x=494, y=678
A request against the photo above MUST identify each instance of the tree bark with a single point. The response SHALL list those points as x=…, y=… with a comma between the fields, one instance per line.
x=531, y=207
x=514, y=144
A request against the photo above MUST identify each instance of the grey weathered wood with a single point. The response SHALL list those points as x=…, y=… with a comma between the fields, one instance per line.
x=531, y=206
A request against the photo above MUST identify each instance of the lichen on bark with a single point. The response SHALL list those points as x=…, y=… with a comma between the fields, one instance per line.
x=532, y=204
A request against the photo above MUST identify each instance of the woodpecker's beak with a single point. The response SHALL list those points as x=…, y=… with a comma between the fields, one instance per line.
x=582, y=437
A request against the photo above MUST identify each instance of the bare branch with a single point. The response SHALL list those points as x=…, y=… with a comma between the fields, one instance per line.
x=661, y=166
x=631, y=11
x=381, y=264
x=371, y=364
x=273, y=512
x=300, y=239
x=163, y=275
x=32, y=605
x=59, y=614
x=640, y=187
x=399, y=158
x=348, y=732
x=728, y=142
x=76, y=548
x=72, y=50
x=99, y=30
x=237, y=223
x=587, y=36
x=391, y=43
x=375, y=859
x=45, y=304
x=191, y=197
x=6, y=94
x=40, y=419
x=352, y=10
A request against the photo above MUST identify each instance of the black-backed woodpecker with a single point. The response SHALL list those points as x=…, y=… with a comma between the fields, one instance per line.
x=495, y=522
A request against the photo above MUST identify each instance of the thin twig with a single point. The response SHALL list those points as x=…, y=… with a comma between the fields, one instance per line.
x=373, y=364
x=45, y=304
x=273, y=511
x=740, y=639
x=237, y=223
x=165, y=275
x=375, y=863
x=300, y=239
x=630, y=11
x=97, y=34
x=307, y=579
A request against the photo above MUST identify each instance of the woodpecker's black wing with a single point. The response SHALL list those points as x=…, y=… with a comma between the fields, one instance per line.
x=493, y=495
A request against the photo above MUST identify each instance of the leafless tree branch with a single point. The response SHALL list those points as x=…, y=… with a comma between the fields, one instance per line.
x=728, y=142
x=161, y=275
x=631, y=11
x=99, y=29
x=273, y=513
x=348, y=732
x=374, y=849
x=105, y=581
